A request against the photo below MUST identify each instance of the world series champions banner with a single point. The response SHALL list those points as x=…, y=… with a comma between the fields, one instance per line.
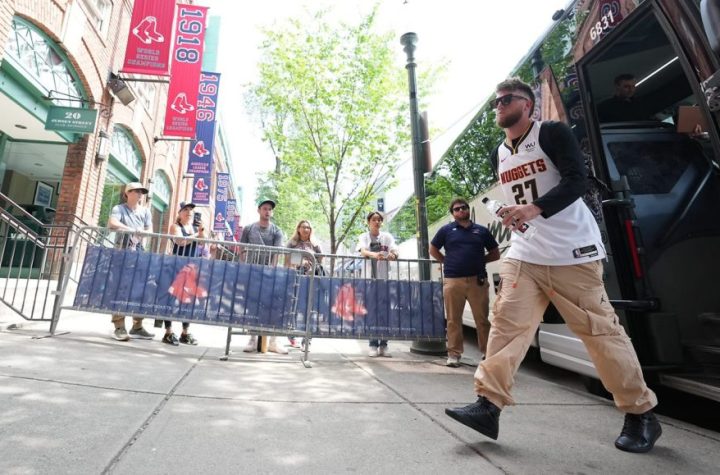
x=180, y=117
x=150, y=37
x=219, y=292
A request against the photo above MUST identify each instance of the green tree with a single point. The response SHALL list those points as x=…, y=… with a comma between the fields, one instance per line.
x=464, y=170
x=332, y=108
x=467, y=161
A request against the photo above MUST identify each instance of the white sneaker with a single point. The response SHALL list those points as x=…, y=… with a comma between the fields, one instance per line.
x=251, y=346
x=373, y=352
x=383, y=351
x=453, y=361
x=275, y=347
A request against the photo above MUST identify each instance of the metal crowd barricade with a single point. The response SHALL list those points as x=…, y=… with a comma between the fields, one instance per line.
x=256, y=289
x=32, y=261
x=227, y=284
x=359, y=298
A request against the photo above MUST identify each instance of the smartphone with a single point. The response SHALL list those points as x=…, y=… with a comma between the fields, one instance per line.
x=197, y=220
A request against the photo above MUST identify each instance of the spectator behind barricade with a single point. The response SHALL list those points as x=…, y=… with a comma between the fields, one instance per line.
x=303, y=240
x=623, y=106
x=184, y=228
x=464, y=276
x=263, y=233
x=380, y=247
x=131, y=216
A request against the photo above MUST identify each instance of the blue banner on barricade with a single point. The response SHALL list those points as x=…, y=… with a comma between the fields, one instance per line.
x=372, y=308
x=228, y=293
x=209, y=291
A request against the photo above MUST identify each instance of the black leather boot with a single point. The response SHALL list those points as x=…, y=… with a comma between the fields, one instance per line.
x=482, y=415
x=639, y=433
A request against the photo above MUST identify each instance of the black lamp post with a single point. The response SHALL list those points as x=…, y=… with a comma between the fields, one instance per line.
x=409, y=40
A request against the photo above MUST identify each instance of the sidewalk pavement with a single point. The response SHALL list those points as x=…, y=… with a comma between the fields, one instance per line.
x=81, y=402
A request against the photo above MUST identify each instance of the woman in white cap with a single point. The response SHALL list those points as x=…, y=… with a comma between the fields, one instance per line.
x=184, y=228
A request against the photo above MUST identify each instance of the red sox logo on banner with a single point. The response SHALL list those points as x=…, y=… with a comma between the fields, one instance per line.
x=185, y=71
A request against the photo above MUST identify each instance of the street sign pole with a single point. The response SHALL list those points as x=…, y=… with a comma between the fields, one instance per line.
x=409, y=40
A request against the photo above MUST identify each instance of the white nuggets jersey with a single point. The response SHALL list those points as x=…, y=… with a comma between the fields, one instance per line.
x=571, y=236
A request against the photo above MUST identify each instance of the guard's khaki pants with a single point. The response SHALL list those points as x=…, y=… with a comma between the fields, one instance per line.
x=119, y=321
x=456, y=291
x=577, y=291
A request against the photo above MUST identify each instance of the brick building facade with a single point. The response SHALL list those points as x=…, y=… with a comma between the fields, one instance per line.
x=85, y=42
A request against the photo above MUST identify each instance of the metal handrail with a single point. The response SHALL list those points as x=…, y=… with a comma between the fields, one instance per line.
x=20, y=208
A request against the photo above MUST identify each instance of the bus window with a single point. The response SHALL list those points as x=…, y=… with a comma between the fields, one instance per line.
x=639, y=79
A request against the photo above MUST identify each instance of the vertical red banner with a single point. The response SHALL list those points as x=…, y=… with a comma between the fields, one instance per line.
x=185, y=71
x=150, y=37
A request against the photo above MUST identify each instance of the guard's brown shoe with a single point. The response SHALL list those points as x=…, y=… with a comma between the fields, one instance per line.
x=482, y=415
x=639, y=433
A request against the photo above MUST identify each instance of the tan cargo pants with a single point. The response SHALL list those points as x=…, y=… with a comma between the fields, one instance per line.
x=456, y=291
x=578, y=293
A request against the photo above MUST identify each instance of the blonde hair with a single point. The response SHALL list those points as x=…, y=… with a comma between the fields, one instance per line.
x=295, y=239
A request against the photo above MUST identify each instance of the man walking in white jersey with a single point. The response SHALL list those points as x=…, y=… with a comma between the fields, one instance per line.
x=542, y=174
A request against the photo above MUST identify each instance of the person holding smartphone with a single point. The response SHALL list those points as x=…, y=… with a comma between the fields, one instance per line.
x=185, y=227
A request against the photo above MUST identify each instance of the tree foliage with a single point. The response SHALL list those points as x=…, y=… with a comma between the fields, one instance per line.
x=331, y=106
x=464, y=171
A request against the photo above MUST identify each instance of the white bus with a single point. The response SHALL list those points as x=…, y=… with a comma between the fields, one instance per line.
x=660, y=217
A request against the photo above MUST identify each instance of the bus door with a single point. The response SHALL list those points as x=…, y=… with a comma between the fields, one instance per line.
x=656, y=142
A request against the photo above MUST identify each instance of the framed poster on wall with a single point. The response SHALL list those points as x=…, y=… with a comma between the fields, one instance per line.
x=43, y=194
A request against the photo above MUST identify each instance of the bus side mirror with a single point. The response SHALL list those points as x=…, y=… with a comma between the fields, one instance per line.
x=710, y=12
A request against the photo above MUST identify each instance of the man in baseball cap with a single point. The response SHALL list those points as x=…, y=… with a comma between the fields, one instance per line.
x=268, y=201
x=131, y=217
x=134, y=185
x=263, y=233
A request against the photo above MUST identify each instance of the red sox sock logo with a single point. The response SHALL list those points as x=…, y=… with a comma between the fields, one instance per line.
x=200, y=149
x=200, y=185
x=146, y=31
x=181, y=105
x=185, y=287
x=346, y=307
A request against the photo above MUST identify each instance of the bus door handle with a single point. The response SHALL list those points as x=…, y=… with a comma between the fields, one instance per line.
x=618, y=203
x=650, y=304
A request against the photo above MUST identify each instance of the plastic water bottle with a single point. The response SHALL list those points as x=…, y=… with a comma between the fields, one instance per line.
x=526, y=230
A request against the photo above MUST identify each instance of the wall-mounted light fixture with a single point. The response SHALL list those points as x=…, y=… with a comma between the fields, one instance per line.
x=103, y=147
x=120, y=89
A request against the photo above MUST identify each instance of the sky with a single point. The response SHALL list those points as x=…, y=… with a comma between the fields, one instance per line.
x=481, y=41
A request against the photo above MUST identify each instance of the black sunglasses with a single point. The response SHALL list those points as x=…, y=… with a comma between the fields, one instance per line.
x=505, y=100
x=460, y=208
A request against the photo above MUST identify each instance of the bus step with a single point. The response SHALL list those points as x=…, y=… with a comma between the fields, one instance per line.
x=710, y=319
x=705, y=354
x=707, y=386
